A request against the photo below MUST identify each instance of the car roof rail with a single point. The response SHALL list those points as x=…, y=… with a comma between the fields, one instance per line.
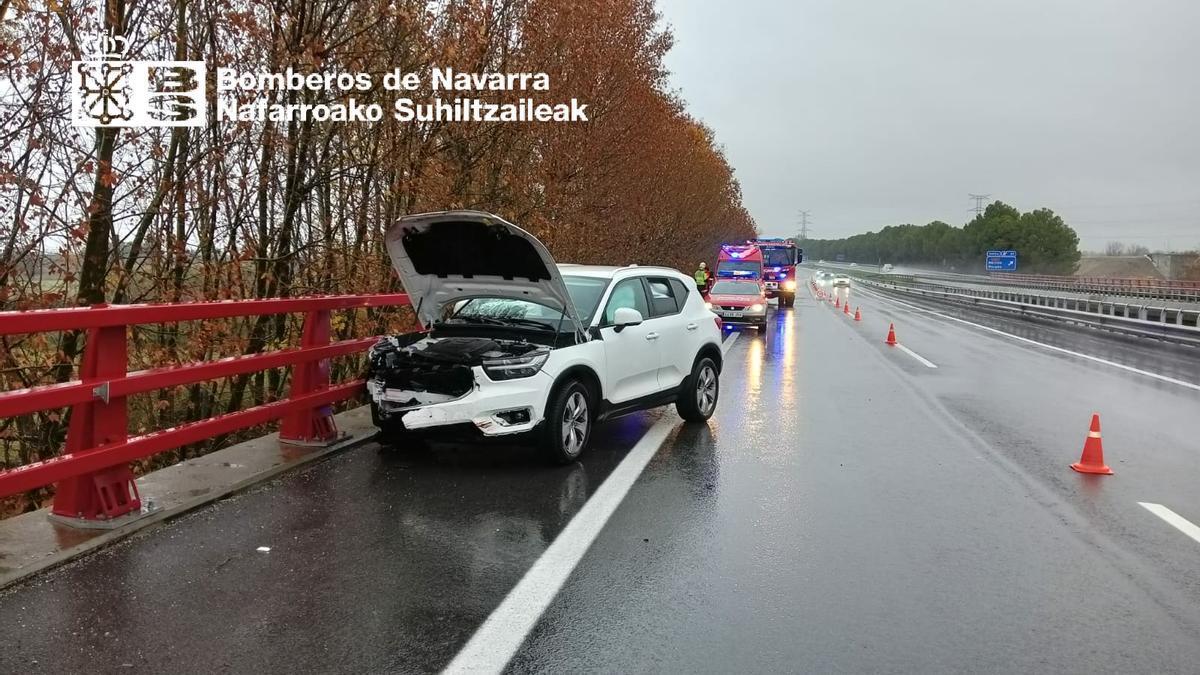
x=664, y=268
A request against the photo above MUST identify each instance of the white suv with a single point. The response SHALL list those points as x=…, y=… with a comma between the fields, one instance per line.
x=516, y=344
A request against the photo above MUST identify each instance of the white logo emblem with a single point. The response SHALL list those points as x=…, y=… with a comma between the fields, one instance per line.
x=113, y=93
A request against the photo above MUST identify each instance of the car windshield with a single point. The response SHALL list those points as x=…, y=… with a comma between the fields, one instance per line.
x=777, y=257
x=739, y=268
x=507, y=312
x=585, y=292
x=735, y=288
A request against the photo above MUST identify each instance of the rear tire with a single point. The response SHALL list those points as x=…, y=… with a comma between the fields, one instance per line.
x=568, y=423
x=699, y=392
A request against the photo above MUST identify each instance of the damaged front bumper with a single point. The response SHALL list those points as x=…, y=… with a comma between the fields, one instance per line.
x=499, y=409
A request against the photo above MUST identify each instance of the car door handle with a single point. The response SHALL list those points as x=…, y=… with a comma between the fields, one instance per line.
x=691, y=326
x=651, y=336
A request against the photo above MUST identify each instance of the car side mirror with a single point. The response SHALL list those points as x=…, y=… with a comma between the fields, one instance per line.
x=626, y=316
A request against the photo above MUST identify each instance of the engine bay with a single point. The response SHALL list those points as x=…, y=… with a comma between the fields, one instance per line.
x=419, y=369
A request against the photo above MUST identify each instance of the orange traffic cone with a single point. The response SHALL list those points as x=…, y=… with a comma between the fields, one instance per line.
x=891, y=338
x=837, y=301
x=846, y=308
x=1092, y=460
x=858, y=314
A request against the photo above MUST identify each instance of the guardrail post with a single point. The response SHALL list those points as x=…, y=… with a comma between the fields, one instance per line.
x=312, y=426
x=96, y=499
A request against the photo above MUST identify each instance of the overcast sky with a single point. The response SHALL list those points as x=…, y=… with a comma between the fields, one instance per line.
x=875, y=113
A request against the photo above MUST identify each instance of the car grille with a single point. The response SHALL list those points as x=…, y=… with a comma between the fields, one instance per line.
x=732, y=308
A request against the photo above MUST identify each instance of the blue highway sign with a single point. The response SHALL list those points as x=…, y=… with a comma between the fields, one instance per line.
x=1002, y=261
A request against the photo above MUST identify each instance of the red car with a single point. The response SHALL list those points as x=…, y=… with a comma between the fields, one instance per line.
x=742, y=301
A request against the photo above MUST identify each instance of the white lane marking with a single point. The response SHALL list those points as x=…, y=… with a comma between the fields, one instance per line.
x=1089, y=357
x=496, y=641
x=922, y=359
x=728, y=342
x=1174, y=519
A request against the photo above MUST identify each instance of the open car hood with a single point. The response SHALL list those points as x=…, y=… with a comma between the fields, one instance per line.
x=450, y=255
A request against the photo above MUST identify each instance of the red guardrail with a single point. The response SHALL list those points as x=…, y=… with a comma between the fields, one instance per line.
x=93, y=477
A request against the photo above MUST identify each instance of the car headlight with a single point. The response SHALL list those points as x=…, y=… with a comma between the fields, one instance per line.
x=516, y=367
x=755, y=307
x=789, y=285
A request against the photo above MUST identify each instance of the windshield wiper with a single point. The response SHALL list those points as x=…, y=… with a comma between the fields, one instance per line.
x=474, y=318
x=504, y=321
x=532, y=323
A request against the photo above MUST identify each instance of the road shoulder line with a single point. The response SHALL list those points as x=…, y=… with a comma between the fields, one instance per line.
x=499, y=637
x=728, y=342
x=497, y=640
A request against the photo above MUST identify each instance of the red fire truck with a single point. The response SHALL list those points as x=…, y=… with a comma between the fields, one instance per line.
x=740, y=261
x=780, y=257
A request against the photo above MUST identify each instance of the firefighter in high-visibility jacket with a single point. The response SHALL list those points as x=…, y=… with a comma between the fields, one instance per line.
x=702, y=277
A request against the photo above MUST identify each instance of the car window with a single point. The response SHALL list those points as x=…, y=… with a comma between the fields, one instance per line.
x=585, y=292
x=627, y=293
x=682, y=291
x=662, y=298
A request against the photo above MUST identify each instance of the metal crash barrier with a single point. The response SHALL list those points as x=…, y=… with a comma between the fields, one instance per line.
x=1171, y=324
x=1167, y=289
x=94, y=484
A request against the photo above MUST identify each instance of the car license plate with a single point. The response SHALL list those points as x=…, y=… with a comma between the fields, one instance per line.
x=772, y=285
x=732, y=315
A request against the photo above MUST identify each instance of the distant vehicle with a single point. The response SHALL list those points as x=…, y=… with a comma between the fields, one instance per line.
x=740, y=262
x=739, y=302
x=887, y=268
x=841, y=280
x=821, y=261
x=780, y=257
x=517, y=345
x=824, y=277
x=854, y=264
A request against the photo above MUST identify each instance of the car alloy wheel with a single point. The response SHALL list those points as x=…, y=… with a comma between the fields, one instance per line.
x=706, y=390
x=574, y=423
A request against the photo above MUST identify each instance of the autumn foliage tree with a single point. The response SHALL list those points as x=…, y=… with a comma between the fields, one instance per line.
x=265, y=209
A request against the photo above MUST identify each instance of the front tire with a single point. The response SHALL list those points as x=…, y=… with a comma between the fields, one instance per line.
x=568, y=423
x=392, y=432
x=699, y=393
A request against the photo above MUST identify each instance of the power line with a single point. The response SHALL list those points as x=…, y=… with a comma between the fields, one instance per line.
x=803, y=225
x=978, y=203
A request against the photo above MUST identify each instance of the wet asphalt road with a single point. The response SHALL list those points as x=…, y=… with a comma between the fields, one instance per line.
x=848, y=509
